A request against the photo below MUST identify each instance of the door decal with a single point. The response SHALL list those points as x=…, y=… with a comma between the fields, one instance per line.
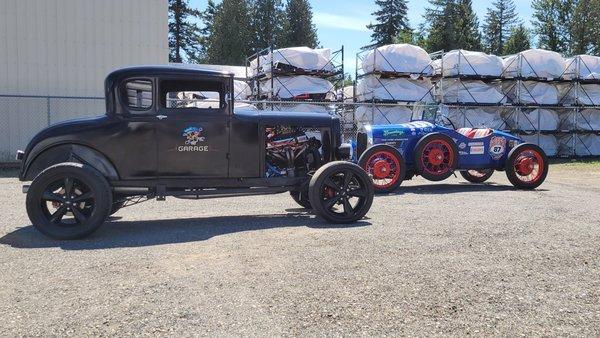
x=193, y=139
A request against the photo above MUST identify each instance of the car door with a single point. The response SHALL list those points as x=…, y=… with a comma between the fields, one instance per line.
x=193, y=128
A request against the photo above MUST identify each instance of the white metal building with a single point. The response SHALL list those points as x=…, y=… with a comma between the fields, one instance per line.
x=66, y=48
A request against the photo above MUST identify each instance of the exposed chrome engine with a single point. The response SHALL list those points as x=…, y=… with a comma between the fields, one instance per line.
x=290, y=152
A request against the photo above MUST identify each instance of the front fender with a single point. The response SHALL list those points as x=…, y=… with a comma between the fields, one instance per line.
x=37, y=161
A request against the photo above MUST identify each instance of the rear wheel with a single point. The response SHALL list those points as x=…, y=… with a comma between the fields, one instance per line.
x=341, y=192
x=527, y=166
x=477, y=176
x=436, y=157
x=69, y=201
x=385, y=165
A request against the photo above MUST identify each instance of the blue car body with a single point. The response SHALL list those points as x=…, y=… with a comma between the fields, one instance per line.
x=487, y=152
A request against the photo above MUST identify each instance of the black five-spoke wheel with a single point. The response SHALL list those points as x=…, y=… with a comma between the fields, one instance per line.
x=69, y=201
x=341, y=192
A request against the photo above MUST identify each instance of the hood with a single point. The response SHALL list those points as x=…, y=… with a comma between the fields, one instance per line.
x=393, y=131
x=290, y=118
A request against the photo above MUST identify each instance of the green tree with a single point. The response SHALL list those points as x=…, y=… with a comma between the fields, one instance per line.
x=466, y=26
x=518, y=40
x=500, y=19
x=208, y=19
x=552, y=24
x=184, y=33
x=391, y=23
x=266, y=23
x=440, y=19
x=583, y=28
x=229, y=39
x=298, y=27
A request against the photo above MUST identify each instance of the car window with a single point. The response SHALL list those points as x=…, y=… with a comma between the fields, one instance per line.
x=138, y=94
x=202, y=95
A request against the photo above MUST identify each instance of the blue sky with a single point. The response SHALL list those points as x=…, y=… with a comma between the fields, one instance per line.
x=343, y=22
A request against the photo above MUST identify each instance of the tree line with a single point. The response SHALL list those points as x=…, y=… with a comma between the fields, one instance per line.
x=565, y=26
x=230, y=31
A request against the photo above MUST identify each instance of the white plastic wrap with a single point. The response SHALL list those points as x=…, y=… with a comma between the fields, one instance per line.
x=537, y=63
x=589, y=95
x=528, y=120
x=299, y=57
x=531, y=92
x=586, y=67
x=237, y=71
x=399, y=58
x=462, y=62
x=471, y=91
x=287, y=87
x=475, y=118
x=548, y=143
x=241, y=90
x=587, y=119
x=302, y=107
x=382, y=115
x=398, y=89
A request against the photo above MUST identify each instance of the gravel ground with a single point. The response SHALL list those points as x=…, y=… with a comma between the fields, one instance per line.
x=434, y=259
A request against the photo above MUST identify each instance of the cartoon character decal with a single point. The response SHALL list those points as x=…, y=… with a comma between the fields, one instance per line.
x=192, y=135
x=497, y=147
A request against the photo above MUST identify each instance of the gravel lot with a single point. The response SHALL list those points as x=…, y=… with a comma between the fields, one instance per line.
x=434, y=259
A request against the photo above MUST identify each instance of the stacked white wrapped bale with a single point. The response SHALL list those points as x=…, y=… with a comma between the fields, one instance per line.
x=534, y=63
x=535, y=119
x=304, y=58
x=398, y=58
x=295, y=60
x=470, y=91
x=574, y=93
x=582, y=67
x=549, y=143
x=468, y=63
x=302, y=107
x=370, y=114
x=373, y=87
x=581, y=145
x=289, y=87
x=585, y=120
x=531, y=92
x=475, y=117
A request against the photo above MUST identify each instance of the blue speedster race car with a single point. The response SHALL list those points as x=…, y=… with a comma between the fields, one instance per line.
x=393, y=153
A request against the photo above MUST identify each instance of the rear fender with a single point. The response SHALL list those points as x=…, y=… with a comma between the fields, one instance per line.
x=69, y=153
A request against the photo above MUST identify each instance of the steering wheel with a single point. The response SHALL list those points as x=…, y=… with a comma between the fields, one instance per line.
x=449, y=121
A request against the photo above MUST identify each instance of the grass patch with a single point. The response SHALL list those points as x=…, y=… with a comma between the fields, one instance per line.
x=577, y=163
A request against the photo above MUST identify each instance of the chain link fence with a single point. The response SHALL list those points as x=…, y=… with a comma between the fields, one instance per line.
x=565, y=132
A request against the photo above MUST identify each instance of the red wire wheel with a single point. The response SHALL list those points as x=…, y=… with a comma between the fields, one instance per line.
x=386, y=167
x=436, y=157
x=478, y=175
x=527, y=166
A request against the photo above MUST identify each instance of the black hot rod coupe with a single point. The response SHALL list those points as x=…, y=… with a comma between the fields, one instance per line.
x=173, y=131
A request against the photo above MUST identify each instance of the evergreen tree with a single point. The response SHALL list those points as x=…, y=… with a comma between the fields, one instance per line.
x=583, y=27
x=184, y=34
x=229, y=39
x=499, y=21
x=391, y=21
x=298, y=28
x=595, y=28
x=546, y=23
x=266, y=23
x=518, y=41
x=467, y=26
x=440, y=18
x=208, y=19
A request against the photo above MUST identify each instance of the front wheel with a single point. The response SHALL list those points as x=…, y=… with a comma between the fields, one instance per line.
x=527, y=166
x=477, y=176
x=68, y=201
x=301, y=197
x=341, y=192
x=386, y=166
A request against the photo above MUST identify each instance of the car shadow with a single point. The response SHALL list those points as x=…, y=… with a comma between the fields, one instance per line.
x=121, y=234
x=451, y=188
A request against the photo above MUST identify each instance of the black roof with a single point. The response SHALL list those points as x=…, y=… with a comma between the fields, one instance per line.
x=172, y=69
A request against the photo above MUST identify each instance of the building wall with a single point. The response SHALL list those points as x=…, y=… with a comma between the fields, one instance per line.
x=67, y=47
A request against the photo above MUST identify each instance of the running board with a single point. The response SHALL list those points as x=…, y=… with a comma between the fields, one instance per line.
x=224, y=193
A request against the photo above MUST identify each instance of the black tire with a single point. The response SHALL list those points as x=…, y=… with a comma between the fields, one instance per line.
x=477, y=176
x=74, y=190
x=337, y=185
x=394, y=167
x=301, y=197
x=449, y=160
x=519, y=179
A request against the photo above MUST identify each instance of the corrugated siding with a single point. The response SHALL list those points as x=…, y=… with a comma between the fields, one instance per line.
x=67, y=47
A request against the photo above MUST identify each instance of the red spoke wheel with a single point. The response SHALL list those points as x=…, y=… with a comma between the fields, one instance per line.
x=477, y=176
x=527, y=166
x=436, y=157
x=385, y=165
